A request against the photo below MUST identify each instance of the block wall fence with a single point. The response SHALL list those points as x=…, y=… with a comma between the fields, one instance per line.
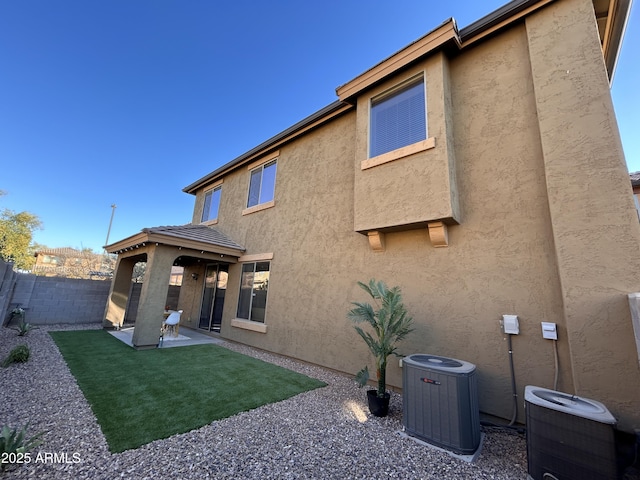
x=53, y=300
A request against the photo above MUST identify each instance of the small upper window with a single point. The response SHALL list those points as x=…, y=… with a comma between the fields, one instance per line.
x=398, y=118
x=262, y=184
x=211, y=204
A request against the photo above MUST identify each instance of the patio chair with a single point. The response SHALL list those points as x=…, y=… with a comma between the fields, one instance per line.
x=172, y=323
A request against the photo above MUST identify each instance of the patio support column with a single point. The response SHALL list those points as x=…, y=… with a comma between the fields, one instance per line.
x=119, y=292
x=153, y=296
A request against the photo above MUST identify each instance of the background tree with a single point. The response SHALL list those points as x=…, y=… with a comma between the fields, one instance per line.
x=139, y=270
x=73, y=263
x=16, y=234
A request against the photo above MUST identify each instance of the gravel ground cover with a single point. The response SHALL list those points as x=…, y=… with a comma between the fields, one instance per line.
x=323, y=434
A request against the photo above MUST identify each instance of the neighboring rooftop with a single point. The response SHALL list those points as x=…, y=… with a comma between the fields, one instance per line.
x=66, y=251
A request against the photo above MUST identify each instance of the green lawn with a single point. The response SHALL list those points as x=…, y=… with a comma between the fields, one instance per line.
x=141, y=396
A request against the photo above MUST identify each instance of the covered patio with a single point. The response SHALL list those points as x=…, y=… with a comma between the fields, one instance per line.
x=193, y=247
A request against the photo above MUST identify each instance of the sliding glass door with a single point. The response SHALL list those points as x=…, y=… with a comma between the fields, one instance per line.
x=215, y=287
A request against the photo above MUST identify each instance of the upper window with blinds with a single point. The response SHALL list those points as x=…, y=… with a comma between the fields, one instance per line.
x=398, y=118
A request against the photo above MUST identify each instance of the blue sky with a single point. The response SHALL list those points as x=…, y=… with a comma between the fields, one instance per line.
x=128, y=101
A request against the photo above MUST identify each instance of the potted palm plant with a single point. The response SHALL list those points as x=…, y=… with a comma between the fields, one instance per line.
x=389, y=324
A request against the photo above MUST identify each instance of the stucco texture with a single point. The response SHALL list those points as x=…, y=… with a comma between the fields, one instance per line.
x=547, y=227
x=595, y=227
x=417, y=188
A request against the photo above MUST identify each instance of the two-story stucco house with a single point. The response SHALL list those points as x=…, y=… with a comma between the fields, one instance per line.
x=448, y=169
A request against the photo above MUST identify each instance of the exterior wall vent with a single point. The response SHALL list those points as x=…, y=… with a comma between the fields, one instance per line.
x=440, y=400
x=568, y=436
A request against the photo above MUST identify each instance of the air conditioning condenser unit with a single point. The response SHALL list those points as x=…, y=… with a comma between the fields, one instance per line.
x=440, y=402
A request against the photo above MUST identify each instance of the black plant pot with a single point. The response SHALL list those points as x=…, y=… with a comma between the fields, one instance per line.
x=378, y=406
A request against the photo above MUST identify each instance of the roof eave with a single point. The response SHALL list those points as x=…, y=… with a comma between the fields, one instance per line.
x=617, y=18
x=499, y=18
x=128, y=242
x=193, y=244
x=330, y=111
x=616, y=25
x=144, y=238
x=442, y=37
x=445, y=34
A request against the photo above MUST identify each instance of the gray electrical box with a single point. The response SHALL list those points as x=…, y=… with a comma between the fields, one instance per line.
x=440, y=402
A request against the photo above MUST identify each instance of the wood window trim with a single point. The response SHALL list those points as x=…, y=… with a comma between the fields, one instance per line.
x=263, y=160
x=399, y=153
x=260, y=206
x=249, y=325
x=256, y=257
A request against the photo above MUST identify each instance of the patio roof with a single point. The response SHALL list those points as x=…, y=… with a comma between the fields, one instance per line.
x=195, y=237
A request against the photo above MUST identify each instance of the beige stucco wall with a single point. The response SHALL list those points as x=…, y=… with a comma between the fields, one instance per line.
x=191, y=294
x=594, y=217
x=419, y=187
x=310, y=232
x=546, y=230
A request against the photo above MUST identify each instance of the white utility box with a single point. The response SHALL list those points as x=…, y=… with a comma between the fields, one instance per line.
x=510, y=324
x=549, y=330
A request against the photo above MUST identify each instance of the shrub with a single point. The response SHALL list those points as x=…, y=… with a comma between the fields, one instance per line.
x=14, y=444
x=19, y=354
x=23, y=328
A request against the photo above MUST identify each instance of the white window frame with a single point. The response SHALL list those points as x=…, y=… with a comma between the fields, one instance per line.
x=210, y=221
x=261, y=165
x=243, y=323
x=253, y=289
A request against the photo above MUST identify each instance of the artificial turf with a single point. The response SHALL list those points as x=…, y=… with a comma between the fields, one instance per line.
x=139, y=396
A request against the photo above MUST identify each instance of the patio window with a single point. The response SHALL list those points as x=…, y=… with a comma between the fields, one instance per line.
x=252, y=303
x=211, y=205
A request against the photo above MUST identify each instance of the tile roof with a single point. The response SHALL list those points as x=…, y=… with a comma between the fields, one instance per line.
x=198, y=233
x=635, y=178
x=60, y=251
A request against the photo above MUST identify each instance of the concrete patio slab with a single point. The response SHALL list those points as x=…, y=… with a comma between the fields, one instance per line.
x=185, y=338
